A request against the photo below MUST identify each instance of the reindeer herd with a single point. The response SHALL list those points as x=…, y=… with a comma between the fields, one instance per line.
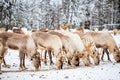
x=62, y=44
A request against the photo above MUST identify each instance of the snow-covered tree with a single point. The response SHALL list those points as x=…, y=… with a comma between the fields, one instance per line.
x=53, y=13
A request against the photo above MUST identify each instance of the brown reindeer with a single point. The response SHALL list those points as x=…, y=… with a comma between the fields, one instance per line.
x=105, y=40
x=77, y=47
x=3, y=50
x=91, y=48
x=50, y=42
x=24, y=43
x=67, y=47
x=66, y=43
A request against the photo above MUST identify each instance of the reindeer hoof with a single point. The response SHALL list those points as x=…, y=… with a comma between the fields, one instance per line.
x=87, y=64
x=52, y=63
x=96, y=63
x=60, y=67
x=36, y=69
x=6, y=66
x=102, y=60
x=25, y=68
x=45, y=64
x=110, y=61
x=22, y=69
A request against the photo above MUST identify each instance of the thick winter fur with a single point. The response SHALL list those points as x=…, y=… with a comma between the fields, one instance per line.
x=67, y=48
x=24, y=43
x=105, y=40
x=91, y=48
x=48, y=41
x=77, y=46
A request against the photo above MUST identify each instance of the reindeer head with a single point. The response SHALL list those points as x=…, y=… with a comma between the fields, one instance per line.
x=36, y=60
x=59, y=62
x=116, y=55
x=93, y=52
x=75, y=58
x=96, y=57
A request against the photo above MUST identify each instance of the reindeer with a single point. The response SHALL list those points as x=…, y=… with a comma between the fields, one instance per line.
x=105, y=40
x=50, y=42
x=91, y=48
x=67, y=47
x=77, y=47
x=3, y=49
x=24, y=43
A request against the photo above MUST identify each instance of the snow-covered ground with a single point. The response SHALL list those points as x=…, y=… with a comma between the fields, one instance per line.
x=104, y=71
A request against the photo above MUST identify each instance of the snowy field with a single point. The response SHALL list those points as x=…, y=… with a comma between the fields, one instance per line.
x=104, y=71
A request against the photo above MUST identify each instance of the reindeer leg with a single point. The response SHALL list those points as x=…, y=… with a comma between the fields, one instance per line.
x=50, y=57
x=45, y=57
x=24, y=62
x=68, y=59
x=69, y=63
x=59, y=62
x=0, y=64
x=5, y=65
x=108, y=54
x=21, y=56
x=86, y=60
x=88, y=56
x=103, y=52
x=4, y=62
x=21, y=67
